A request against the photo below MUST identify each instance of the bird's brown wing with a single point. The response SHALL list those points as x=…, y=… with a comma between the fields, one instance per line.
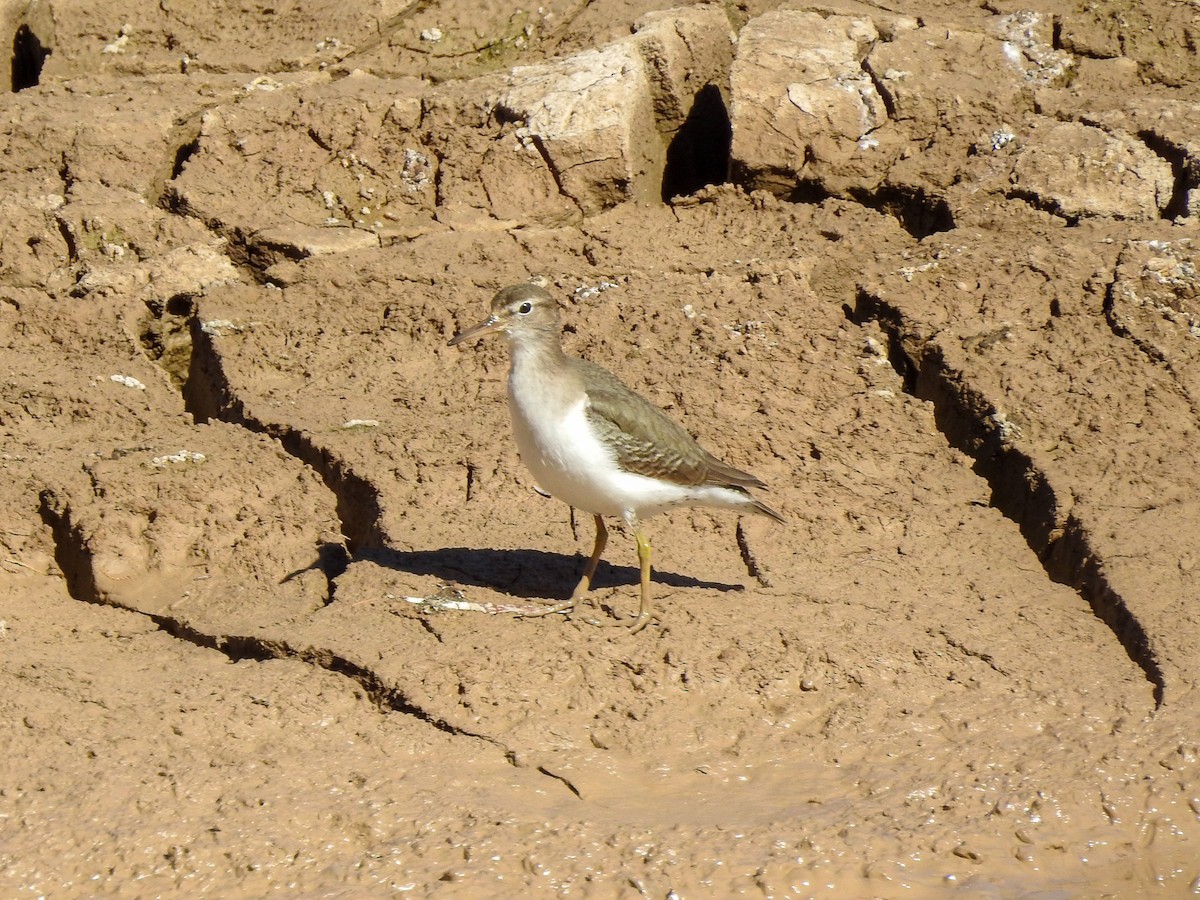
x=646, y=441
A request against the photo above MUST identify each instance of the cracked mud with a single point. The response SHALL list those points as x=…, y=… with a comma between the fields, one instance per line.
x=931, y=276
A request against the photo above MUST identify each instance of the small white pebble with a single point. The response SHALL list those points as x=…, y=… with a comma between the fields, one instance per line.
x=128, y=381
x=1001, y=139
x=220, y=326
x=118, y=46
x=583, y=292
x=432, y=35
x=261, y=83
x=183, y=456
x=360, y=423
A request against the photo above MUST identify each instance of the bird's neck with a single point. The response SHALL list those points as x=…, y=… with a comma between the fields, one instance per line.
x=536, y=350
x=542, y=387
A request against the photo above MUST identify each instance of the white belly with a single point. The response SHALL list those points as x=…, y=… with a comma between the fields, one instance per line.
x=571, y=464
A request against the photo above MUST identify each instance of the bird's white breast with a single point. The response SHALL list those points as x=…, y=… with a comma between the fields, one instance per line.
x=563, y=452
x=559, y=447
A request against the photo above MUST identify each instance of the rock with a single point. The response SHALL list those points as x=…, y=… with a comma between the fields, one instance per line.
x=1166, y=126
x=688, y=54
x=935, y=75
x=803, y=106
x=684, y=51
x=591, y=117
x=1077, y=170
x=188, y=270
x=609, y=122
x=1028, y=45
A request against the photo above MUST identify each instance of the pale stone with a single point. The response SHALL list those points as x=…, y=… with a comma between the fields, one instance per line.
x=801, y=97
x=1077, y=170
x=591, y=117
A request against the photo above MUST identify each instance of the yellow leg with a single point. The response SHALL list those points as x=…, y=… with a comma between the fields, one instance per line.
x=585, y=583
x=589, y=571
x=646, y=606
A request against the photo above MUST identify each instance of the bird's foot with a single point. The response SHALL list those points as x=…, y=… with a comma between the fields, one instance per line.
x=644, y=617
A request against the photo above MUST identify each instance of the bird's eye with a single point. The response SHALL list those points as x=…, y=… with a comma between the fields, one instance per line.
x=525, y=308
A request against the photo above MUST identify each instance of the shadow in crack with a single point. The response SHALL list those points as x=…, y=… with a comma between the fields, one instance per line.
x=525, y=573
x=1020, y=490
x=698, y=154
x=208, y=394
x=28, y=57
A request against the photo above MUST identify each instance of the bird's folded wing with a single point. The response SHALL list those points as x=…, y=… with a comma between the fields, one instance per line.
x=644, y=440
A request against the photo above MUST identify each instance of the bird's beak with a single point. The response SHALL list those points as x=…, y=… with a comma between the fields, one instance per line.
x=490, y=325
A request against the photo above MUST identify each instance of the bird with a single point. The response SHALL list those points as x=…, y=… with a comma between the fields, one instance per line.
x=593, y=443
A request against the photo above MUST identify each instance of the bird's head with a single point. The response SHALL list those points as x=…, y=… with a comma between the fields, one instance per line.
x=523, y=309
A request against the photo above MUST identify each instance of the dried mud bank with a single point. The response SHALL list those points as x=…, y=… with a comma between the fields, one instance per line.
x=932, y=276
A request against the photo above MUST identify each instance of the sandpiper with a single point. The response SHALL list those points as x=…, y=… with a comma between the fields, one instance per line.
x=593, y=443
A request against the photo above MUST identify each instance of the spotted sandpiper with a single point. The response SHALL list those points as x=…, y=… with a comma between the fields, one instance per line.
x=595, y=444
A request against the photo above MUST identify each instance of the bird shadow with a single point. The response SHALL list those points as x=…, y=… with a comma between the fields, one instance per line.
x=526, y=573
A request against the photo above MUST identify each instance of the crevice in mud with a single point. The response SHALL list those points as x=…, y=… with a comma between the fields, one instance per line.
x=889, y=102
x=566, y=781
x=28, y=57
x=1038, y=202
x=70, y=550
x=1152, y=353
x=1186, y=173
x=547, y=158
x=698, y=154
x=164, y=333
x=250, y=258
x=972, y=424
x=173, y=338
x=185, y=137
x=74, y=557
x=183, y=153
x=919, y=213
x=207, y=394
x=68, y=236
x=808, y=191
x=1117, y=327
x=753, y=567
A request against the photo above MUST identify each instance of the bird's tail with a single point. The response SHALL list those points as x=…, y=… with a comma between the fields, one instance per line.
x=760, y=507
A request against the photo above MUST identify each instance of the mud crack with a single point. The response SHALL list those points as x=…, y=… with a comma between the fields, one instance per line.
x=75, y=559
x=208, y=394
x=1184, y=169
x=919, y=213
x=1020, y=490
